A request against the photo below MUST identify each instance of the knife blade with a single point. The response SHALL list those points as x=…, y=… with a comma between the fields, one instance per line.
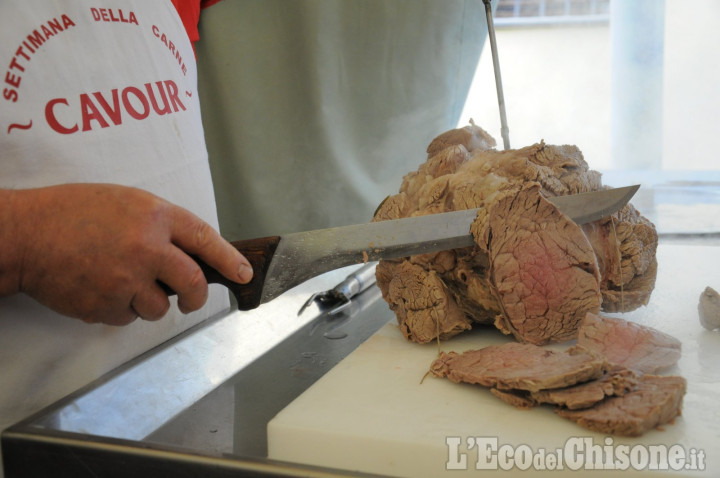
x=282, y=262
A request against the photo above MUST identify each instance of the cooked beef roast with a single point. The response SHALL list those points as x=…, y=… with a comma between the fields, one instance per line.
x=534, y=273
x=655, y=401
x=537, y=275
x=514, y=366
x=642, y=349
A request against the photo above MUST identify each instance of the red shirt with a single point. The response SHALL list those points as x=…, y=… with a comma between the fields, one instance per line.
x=189, y=11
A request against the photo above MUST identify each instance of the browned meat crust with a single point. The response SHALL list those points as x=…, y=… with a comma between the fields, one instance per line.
x=428, y=297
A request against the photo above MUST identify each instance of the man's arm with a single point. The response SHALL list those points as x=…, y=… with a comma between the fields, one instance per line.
x=10, y=247
x=96, y=252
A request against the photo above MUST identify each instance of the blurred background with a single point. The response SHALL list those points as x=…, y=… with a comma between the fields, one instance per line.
x=314, y=110
x=634, y=83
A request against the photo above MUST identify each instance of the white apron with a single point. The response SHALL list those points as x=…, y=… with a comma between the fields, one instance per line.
x=94, y=94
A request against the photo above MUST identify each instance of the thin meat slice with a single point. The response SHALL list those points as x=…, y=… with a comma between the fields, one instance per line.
x=655, y=401
x=615, y=382
x=542, y=267
x=642, y=349
x=514, y=366
x=517, y=398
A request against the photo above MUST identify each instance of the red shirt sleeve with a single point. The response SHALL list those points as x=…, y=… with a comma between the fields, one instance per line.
x=208, y=3
x=189, y=12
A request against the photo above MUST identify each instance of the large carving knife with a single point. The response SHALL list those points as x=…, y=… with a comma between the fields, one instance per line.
x=282, y=262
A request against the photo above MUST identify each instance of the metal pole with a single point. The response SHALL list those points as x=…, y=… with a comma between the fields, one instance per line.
x=504, y=130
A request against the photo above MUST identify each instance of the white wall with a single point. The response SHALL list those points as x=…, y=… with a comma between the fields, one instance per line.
x=692, y=84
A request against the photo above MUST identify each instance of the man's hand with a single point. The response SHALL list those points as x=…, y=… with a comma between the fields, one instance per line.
x=96, y=252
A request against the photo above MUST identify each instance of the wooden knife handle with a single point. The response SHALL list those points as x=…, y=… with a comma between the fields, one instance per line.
x=259, y=252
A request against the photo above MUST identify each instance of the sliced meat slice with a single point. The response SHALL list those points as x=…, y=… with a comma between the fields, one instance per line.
x=631, y=345
x=615, y=382
x=655, y=401
x=542, y=267
x=515, y=366
x=517, y=398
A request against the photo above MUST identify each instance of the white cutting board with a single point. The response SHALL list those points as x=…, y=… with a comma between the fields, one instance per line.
x=371, y=413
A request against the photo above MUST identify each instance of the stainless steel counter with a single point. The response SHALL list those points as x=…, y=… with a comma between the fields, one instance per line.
x=200, y=403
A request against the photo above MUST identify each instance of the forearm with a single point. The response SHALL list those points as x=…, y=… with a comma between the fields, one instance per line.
x=10, y=242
